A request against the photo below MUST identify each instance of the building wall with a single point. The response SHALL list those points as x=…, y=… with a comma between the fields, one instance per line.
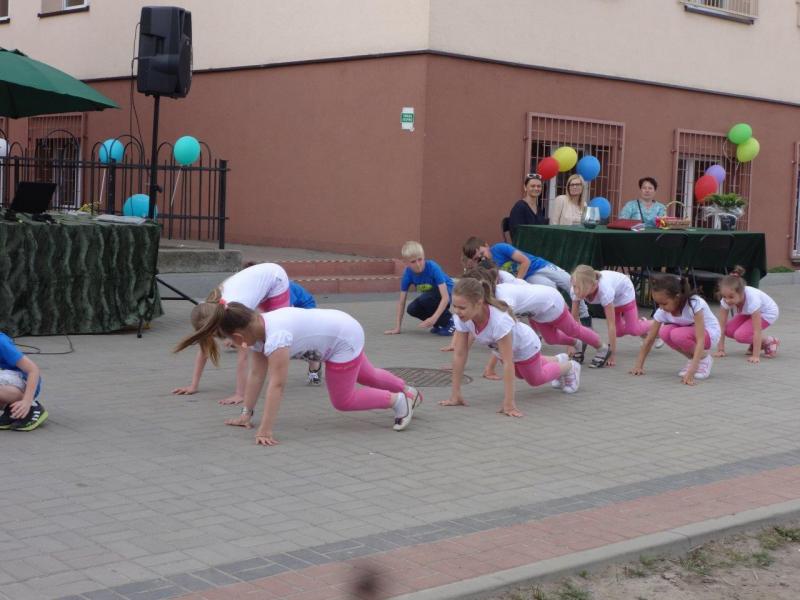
x=475, y=146
x=317, y=156
x=99, y=43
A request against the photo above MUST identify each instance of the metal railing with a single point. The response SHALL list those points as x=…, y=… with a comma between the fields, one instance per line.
x=739, y=8
x=191, y=203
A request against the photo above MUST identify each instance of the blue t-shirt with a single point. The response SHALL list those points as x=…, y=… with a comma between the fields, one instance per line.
x=300, y=297
x=501, y=254
x=10, y=356
x=637, y=210
x=431, y=277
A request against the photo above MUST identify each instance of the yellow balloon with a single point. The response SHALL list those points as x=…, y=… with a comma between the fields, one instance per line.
x=747, y=151
x=566, y=157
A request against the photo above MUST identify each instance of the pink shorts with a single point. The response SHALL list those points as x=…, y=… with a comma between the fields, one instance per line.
x=275, y=302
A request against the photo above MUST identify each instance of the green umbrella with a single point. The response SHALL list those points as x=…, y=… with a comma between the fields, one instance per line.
x=29, y=87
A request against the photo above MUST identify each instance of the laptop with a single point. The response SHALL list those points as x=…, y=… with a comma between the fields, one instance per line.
x=32, y=197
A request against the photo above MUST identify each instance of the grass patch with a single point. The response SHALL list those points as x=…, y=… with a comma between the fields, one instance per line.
x=569, y=591
x=780, y=269
x=697, y=561
x=635, y=572
x=762, y=559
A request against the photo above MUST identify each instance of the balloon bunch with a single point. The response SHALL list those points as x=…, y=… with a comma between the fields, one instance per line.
x=588, y=167
x=747, y=147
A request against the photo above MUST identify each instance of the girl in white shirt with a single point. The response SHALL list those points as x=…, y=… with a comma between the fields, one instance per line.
x=331, y=336
x=685, y=322
x=753, y=310
x=264, y=286
x=491, y=323
x=615, y=293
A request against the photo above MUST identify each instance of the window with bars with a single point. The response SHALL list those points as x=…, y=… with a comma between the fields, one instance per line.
x=796, y=229
x=58, y=6
x=694, y=152
x=745, y=11
x=590, y=137
x=56, y=142
x=4, y=16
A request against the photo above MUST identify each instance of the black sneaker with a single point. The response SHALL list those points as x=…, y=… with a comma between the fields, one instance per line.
x=35, y=417
x=5, y=418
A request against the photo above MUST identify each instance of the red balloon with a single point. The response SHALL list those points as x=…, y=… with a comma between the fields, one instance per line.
x=704, y=186
x=547, y=167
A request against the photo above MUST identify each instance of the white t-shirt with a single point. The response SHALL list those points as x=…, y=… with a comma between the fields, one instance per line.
x=755, y=299
x=253, y=285
x=694, y=305
x=313, y=334
x=612, y=288
x=525, y=342
x=542, y=302
x=506, y=277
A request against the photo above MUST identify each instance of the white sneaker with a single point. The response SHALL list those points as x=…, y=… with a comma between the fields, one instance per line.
x=659, y=343
x=572, y=380
x=559, y=381
x=314, y=378
x=400, y=423
x=684, y=370
x=704, y=368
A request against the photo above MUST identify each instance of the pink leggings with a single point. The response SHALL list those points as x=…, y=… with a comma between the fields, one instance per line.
x=275, y=302
x=740, y=328
x=341, y=379
x=627, y=320
x=537, y=370
x=681, y=338
x=564, y=330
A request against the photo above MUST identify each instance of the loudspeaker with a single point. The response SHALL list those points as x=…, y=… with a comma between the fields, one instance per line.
x=165, y=51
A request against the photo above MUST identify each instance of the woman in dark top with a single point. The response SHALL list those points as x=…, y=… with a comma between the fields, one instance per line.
x=526, y=210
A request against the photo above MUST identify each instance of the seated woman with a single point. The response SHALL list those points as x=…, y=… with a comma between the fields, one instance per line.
x=568, y=208
x=645, y=208
x=526, y=210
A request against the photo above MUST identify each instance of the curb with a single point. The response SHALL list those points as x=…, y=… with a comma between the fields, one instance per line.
x=670, y=542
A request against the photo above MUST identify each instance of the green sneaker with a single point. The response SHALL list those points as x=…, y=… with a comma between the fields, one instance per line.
x=35, y=417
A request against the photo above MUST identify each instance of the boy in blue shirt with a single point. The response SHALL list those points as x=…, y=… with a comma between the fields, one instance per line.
x=432, y=306
x=19, y=387
x=300, y=297
x=532, y=269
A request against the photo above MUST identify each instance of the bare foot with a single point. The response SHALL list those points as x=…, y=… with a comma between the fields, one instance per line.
x=452, y=402
x=449, y=348
x=491, y=375
x=513, y=412
x=235, y=399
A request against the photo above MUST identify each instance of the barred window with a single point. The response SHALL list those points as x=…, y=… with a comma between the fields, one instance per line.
x=745, y=11
x=796, y=229
x=56, y=143
x=694, y=152
x=590, y=137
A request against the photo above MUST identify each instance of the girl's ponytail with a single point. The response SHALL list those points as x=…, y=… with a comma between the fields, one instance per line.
x=212, y=320
x=477, y=284
x=734, y=280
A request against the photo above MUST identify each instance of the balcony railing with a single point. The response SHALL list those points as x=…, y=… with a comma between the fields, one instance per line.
x=745, y=11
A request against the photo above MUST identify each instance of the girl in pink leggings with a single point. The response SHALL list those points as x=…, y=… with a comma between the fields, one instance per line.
x=685, y=322
x=331, y=336
x=491, y=323
x=264, y=286
x=615, y=293
x=753, y=312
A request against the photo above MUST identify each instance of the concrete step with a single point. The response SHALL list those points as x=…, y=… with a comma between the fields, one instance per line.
x=340, y=268
x=198, y=260
x=350, y=284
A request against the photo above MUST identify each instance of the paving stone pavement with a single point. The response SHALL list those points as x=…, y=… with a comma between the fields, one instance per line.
x=131, y=492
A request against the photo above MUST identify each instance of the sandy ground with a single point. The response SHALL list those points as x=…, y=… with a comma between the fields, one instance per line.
x=761, y=565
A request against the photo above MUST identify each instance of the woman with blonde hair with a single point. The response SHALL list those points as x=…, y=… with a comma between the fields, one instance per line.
x=568, y=208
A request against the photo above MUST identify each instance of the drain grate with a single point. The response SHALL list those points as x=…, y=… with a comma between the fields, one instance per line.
x=426, y=377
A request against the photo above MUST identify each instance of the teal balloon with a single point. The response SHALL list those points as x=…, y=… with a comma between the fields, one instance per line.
x=588, y=168
x=137, y=206
x=111, y=149
x=740, y=133
x=604, y=206
x=186, y=150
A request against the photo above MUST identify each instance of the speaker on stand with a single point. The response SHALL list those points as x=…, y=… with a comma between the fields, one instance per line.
x=164, y=69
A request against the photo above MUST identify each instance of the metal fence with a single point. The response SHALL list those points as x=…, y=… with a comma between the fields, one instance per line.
x=191, y=203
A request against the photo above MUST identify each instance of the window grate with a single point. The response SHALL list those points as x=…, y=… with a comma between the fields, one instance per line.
x=602, y=139
x=694, y=152
x=796, y=228
x=59, y=139
x=739, y=8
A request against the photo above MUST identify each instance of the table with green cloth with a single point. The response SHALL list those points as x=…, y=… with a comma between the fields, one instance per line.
x=76, y=275
x=569, y=246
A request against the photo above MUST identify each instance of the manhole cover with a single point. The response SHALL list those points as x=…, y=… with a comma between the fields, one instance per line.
x=426, y=377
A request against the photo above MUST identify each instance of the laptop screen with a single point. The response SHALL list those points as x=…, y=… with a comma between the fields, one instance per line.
x=33, y=197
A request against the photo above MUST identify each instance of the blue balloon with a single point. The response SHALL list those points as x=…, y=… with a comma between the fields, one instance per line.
x=604, y=206
x=137, y=206
x=588, y=168
x=112, y=148
x=186, y=150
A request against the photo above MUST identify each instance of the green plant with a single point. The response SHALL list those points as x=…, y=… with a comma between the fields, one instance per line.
x=569, y=591
x=726, y=201
x=780, y=269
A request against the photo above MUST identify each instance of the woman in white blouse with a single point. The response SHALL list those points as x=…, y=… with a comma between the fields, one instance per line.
x=568, y=208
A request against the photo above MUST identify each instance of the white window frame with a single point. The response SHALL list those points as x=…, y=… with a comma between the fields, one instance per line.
x=726, y=9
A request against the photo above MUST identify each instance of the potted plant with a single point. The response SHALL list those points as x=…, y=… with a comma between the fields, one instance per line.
x=725, y=208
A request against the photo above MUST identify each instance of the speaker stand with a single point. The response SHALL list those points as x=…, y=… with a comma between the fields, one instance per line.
x=151, y=209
